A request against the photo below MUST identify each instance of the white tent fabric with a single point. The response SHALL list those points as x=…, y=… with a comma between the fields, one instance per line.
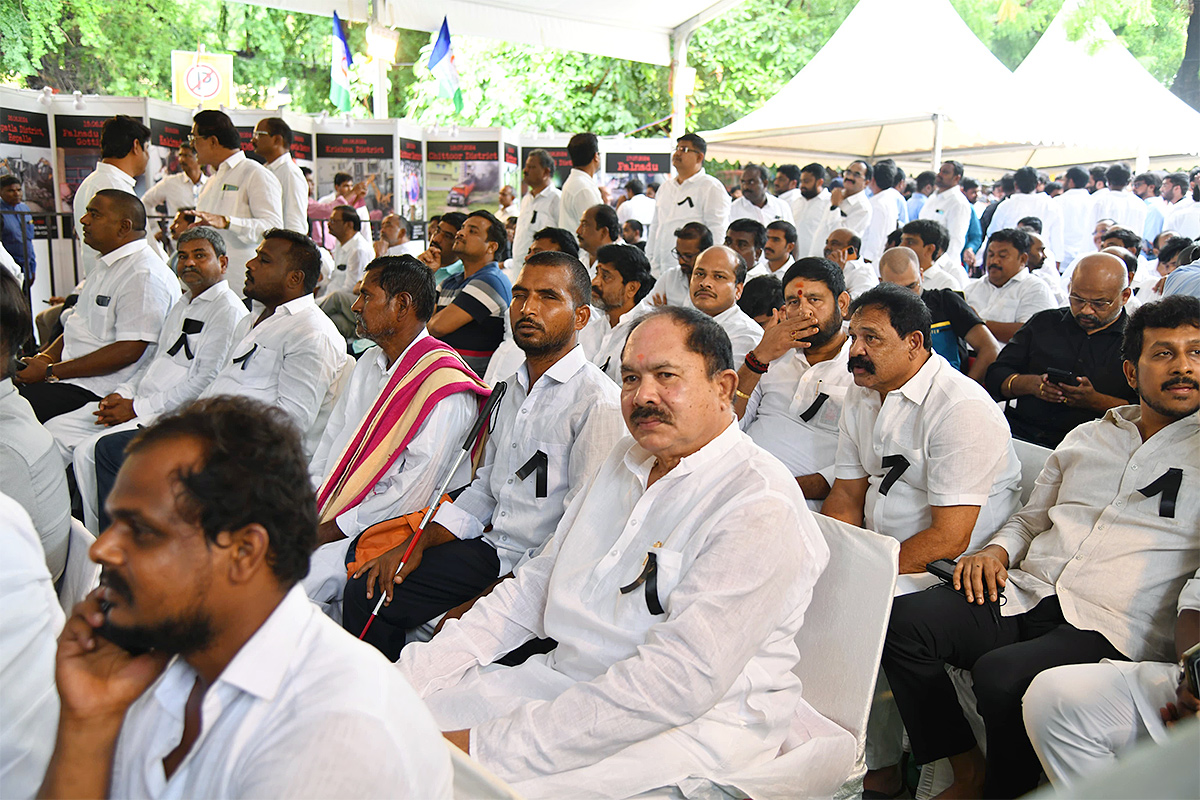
x=846, y=103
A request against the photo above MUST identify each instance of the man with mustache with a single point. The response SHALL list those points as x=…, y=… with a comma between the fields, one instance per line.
x=553, y=429
x=849, y=207
x=1093, y=567
x=716, y=286
x=691, y=196
x=689, y=540
x=844, y=249
x=199, y=668
x=808, y=210
x=1084, y=338
x=1008, y=295
x=192, y=348
x=622, y=281
x=792, y=409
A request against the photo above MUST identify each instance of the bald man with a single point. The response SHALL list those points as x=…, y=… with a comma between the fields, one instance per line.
x=716, y=285
x=958, y=334
x=1063, y=367
x=844, y=248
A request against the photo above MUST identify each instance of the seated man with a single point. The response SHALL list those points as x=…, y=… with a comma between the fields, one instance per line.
x=843, y=247
x=717, y=281
x=792, y=409
x=929, y=239
x=953, y=325
x=350, y=258
x=471, y=304
x=749, y=238
x=1083, y=339
x=762, y=298
x=1008, y=295
x=408, y=456
x=240, y=687
x=675, y=286
x=597, y=227
x=622, y=281
x=117, y=319
x=289, y=356
x=1091, y=568
x=553, y=430
x=674, y=586
x=632, y=231
x=780, y=250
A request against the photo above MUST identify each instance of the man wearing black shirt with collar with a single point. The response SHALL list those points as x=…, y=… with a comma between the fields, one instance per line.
x=1083, y=339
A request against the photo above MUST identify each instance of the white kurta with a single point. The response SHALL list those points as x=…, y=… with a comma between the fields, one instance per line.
x=249, y=195
x=952, y=209
x=885, y=218
x=293, y=193
x=1079, y=220
x=537, y=211
x=854, y=213
x=623, y=705
x=809, y=215
x=701, y=198
x=1018, y=206
x=350, y=259
x=177, y=191
x=772, y=209
x=579, y=193
x=1124, y=208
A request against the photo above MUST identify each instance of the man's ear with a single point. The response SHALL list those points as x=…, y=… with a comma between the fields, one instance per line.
x=583, y=314
x=727, y=381
x=1130, y=370
x=247, y=549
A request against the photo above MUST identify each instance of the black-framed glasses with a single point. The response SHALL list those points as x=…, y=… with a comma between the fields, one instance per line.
x=1099, y=305
x=689, y=257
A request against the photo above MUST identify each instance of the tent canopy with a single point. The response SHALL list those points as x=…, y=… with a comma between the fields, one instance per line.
x=846, y=104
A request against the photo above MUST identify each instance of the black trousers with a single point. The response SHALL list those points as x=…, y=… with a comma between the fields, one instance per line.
x=937, y=627
x=110, y=455
x=448, y=575
x=51, y=399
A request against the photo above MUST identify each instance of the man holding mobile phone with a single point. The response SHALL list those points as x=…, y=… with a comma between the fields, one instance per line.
x=1082, y=341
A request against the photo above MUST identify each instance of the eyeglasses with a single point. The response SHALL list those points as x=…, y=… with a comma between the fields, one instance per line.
x=849, y=173
x=689, y=257
x=1098, y=305
x=683, y=148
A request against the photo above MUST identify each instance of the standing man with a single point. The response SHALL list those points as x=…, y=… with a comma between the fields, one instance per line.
x=949, y=206
x=756, y=203
x=181, y=190
x=1123, y=207
x=509, y=207
x=598, y=227
x=849, y=206
x=691, y=196
x=579, y=191
x=350, y=259
x=926, y=182
x=273, y=143
x=716, y=286
x=1028, y=202
x=808, y=210
x=787, y=183
x=1077, y=207
x=888, y=210
x=16, y=229
x=1008, y=295
x=622, y=280
x=123, y=158
x=539, y=206
x=242, y=200
x=636, y=206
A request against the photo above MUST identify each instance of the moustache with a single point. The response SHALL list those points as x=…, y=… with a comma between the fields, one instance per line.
x=1180, y=381
x=529, y=321
x=649, y=413
x=115, y=584
x=862, y=362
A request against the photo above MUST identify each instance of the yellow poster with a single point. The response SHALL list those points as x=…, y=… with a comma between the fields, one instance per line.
x=204, y=79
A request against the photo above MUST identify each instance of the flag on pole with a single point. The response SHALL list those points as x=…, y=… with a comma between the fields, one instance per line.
x=339, y=69
x=441, y=64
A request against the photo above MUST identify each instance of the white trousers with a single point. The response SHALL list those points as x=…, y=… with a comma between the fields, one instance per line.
x=1081, y=717
x=83, y=457
x=73, y=428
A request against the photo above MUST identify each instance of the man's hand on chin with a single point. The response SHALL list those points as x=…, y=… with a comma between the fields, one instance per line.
x=460, y=739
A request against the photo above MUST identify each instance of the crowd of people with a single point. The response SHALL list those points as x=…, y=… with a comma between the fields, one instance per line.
x=559, y=468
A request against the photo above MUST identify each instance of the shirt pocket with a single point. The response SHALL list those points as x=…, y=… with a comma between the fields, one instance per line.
x=101, y=317
x=257, y=367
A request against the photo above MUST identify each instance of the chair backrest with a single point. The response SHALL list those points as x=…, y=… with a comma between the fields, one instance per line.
x=841, y=640
x=1033, y=458
x=473, y=782
x=81, y=574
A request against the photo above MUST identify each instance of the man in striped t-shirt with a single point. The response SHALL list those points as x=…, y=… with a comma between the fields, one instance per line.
x=471, y=305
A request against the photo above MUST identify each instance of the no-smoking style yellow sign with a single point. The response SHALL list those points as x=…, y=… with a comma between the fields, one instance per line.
x=204, y=79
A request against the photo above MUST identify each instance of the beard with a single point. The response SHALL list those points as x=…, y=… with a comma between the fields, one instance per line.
x=185, y=633
x=549, y=343
x=828, y=329
x=1167, y=411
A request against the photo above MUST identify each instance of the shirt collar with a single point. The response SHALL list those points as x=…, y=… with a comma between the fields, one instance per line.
x=726, y=315
x=127, y=249
x=640, y=461
x=1021, y=275
x=266, y=658
x=237, y=158
x=381, y=357
x=7, y=388
x=560, y=371
x=286, y=158
x=918, y=385
x=299, y=304
x=116, y=173
x=694, y=177
x=1128, y=417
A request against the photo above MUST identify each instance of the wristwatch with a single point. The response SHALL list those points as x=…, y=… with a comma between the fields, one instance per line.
x=50, y=377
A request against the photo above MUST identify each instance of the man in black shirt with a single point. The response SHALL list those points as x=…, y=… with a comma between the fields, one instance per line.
x=955, y=325
x=1084, y=340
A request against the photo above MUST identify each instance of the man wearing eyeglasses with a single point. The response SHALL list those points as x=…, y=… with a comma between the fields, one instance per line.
x=1082, y=340
x=674, y=288
x=849, y=206
x=691, y=196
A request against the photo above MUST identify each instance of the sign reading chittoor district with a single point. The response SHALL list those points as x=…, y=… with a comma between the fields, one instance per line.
x=462, y=151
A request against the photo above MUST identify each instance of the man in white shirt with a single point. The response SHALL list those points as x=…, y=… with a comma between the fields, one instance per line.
x=1028, y=202
x=748, y=238
x=888, y=210
x=636, y=206
x=716, y=285
x=843, y=248
x=849, y=207
x=808, y=210
x=1183, y=218
x=597, y=228
x=192, y=348
x=178, y=191
x=555, y=426
x=394, y=233
x=792, y=409
x=780, y=249
x=117, y=320
x=928, y=239
x=509, y=207
x=350, y=258
x=674, y=288
x=949, y=206
x=1123, y=207
x=273, y=143
x=539, y=206
x=622, y=281
x=689, y=539
x=1043, y=269
x=240, y=687
x=756, y=203
x=243, y=200
x=1090, y=568
x=1008, y=295
x=579, y=191
x=691, y=196
x=1077, y=208
x=123, y=158
x=787, y=184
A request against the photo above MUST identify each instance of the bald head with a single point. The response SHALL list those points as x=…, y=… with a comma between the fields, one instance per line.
x=901, y=266
x=1099, y=290
x=726, y=258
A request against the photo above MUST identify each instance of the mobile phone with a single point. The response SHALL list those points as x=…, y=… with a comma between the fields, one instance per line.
x=943, y=568
x=1063, y=377
x=1191, y=670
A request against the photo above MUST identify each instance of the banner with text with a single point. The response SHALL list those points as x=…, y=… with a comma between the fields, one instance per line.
x=462, y=175
x=25, y=152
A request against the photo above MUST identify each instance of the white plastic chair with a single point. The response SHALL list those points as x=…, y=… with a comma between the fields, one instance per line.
x=1033, y=458
x=473, y=782
x=81, y=574
x=840, y=644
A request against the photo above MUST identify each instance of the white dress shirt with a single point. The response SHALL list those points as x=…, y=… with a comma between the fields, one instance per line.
x=744, y=333
x=854, y=213
x=249, y=195
x=1089, y=535
x=537, y=211
x=701, y=198
x=952, y=209
x=409, y=482
x=860, y=276
x=294, y=193
x=28, y=643
x=1079, y=220
x=1017, y=300
x=293, y=359
x=886, y=216
x=624, y=704
x=177, y=191
x=125, y=299
x=1018, y=206
x=1050, y=276
x=954, y=439
x=675, y=286
x=513, y=209
x=772, y=209
x=1124, y=208
x=572, y=418
x=809, y=214
x=1183, y=218
x=938, y=277
x=350, y=259
x=105, y=176
x=639, y=207
x=303, y=710
x=579, y=193
x=612, y=339
x=790, y=196
x=789, y=392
